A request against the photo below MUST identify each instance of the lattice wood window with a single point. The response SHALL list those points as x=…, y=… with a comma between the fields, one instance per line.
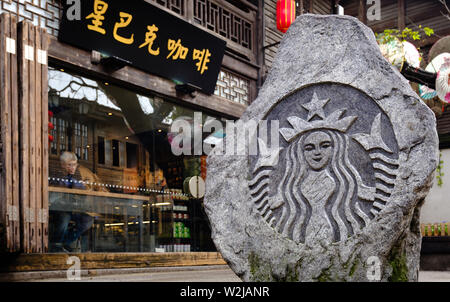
x=54, y=133
x=47, y=13
x=84, y=142
x=81, y=141
x=233, y=87
x=43, y=13
x=69, y=137
x=223, y=22
x=177, y=6
x=62, y=136
x=77, y=130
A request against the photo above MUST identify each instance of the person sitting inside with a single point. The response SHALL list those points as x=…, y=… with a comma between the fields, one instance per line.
x=63, y=237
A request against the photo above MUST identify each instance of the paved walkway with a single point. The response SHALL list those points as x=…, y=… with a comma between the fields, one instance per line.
x=208, y=275
x=429, y=276
x=220, y=273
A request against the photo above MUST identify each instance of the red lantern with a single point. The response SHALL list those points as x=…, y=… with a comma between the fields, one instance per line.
x=285, y=14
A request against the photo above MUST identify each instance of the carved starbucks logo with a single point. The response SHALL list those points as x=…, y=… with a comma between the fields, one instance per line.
x=334, y=169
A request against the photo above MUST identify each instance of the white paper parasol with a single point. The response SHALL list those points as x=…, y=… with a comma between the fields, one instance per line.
x=393, y=51
x=412, y=55
x=425, y=92
x=442, y=82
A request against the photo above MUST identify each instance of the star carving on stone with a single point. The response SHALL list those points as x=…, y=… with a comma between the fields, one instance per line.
x=315, y=107
x=267, y=157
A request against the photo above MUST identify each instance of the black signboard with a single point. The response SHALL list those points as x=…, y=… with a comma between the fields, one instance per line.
x=147, y=37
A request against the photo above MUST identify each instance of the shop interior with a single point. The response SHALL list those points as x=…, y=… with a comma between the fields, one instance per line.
x=129, y=192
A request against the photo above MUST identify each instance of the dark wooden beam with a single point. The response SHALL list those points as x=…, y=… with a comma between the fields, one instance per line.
x=362, y=11
x=47, y=262
x=259, y=37
x=344, y=2
x=301, y=6
x=401, y=14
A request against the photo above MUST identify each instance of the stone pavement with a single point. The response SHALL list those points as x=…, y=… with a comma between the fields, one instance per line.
x=219, y=273
x=433, y=276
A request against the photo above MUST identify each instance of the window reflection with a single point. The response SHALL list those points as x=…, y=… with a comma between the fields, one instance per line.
x=114, y=184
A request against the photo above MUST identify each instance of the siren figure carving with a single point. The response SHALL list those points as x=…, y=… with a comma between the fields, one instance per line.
x=345, y=156
x=320, y=197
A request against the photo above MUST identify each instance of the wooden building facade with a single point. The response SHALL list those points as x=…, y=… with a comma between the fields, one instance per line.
x=272, y=36
x=117, y=124
x=57, y=98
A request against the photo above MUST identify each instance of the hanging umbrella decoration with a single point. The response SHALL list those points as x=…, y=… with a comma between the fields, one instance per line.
x=442, y=81
x=412, y=55
x=442, y=45
x=392, y=50
x=434, y=66
x=434, y=84
x=440, y=48
x=398, y=53
x=285, y=14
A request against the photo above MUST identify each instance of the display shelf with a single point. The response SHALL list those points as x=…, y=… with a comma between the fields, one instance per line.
x=176, y=221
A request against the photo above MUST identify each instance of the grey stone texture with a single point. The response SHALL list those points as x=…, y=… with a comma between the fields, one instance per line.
x=339, y=197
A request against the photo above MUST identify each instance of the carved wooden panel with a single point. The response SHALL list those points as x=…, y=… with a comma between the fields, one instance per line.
x=177, y=6
x=224, y=22
x=47, y=14
x=43, y=13
x=233, y=87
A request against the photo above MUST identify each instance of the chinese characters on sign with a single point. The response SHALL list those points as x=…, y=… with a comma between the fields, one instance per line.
x=125, y=20
x=181, y=51
x=177, y=50
x=203, y=58
x=149, y=38
x=100, y=8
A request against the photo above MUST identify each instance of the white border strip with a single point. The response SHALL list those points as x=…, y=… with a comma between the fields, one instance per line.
x=42, y=57
x=29, y=53
x=11, y=46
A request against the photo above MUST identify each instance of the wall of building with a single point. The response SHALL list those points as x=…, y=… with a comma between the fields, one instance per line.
x=322, y=7
x=236, y=88
x=436, y=208
x=44, y=13
x=273, y=35
x=414, y=13
x=232, y=85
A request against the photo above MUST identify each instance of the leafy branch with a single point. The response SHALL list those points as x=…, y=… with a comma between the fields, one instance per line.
x=389, y=35
x=439, y=173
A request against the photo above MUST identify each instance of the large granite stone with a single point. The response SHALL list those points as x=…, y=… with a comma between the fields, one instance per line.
x=338, y=198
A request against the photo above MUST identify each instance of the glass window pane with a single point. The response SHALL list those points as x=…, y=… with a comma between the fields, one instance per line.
x=115, y=185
